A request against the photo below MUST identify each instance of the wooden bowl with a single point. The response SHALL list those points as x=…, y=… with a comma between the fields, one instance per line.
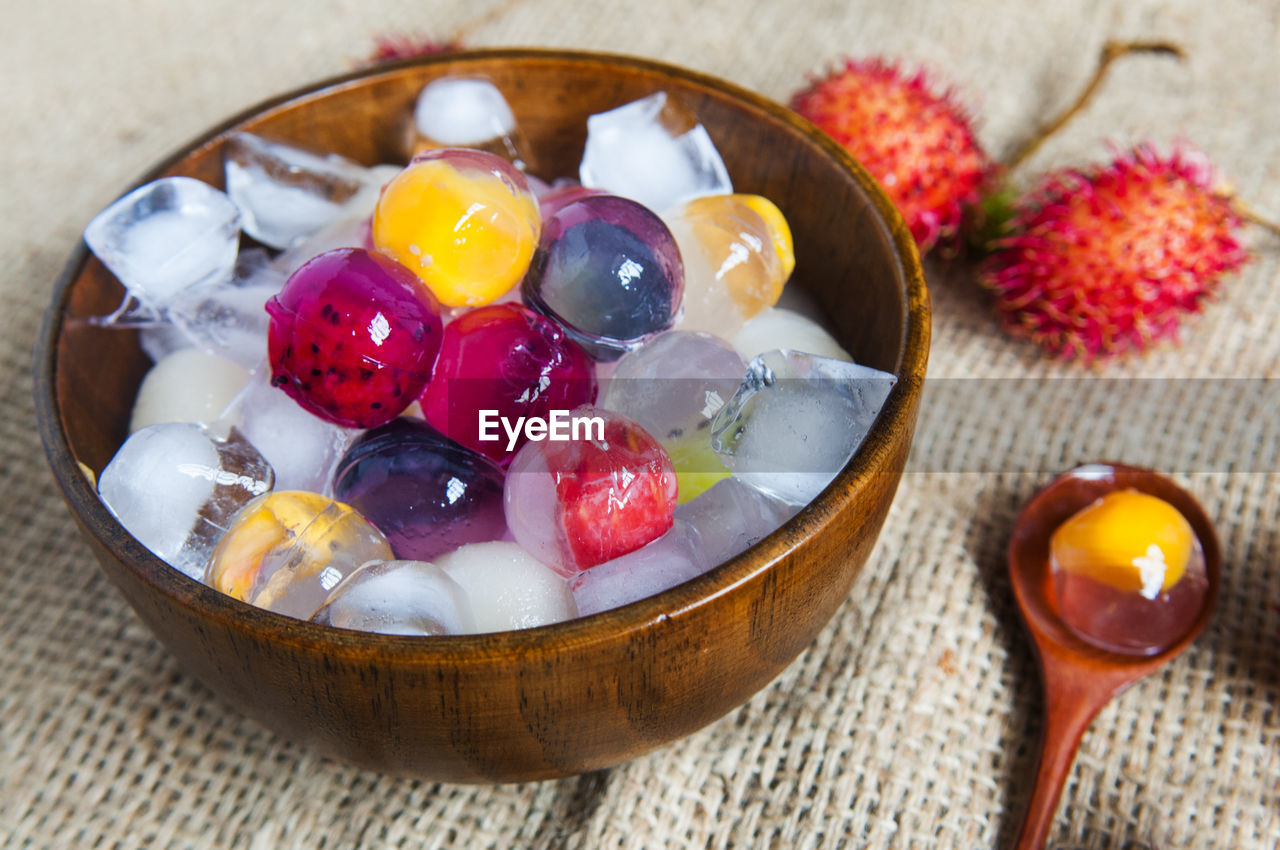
x=591, y=692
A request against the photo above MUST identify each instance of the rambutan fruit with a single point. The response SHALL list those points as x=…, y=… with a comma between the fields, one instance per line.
x=918, y=143
x=1106, y=260
x=393, y=46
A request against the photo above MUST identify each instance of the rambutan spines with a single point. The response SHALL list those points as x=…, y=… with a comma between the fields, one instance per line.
x=919, y=144
x=1107, y=260
x=395, y=46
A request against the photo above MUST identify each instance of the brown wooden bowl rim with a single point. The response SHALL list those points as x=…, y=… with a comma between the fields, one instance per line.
x=893, y=421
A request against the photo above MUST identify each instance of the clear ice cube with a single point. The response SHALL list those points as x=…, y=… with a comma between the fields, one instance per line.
x=175, y=487
x=732, y=517
x=654, y=151
x=287, y=193
x=674, y=558
x=347, y=232
x=398, y=598
x=229, y=319
x=301, y=448
x=352, y=229
x=467, y=112
x=160, y=339
x=796, y=420
x=167, y=236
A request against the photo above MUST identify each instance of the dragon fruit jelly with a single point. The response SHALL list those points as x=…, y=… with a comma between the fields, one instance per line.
x=353, y=337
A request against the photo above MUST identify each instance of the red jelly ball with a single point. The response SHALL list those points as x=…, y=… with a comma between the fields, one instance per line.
x=353, y=336
x=511, y=363
x=579, y=502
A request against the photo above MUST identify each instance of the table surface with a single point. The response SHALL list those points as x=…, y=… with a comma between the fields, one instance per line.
x=911, y=721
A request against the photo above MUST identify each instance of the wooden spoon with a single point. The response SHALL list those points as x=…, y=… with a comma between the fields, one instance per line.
x=1080, y=679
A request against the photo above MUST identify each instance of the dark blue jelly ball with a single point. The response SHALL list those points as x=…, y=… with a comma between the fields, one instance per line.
x=426, y=493
x=609, y=271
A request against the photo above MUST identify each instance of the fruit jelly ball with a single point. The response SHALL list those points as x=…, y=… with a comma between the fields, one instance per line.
x=464, y=221
x=188, y=385
x=285, y=550
x=609, y=271
x=673, y=386
x=580, y=502
x=353, y=336
x=736, y=259
x=509, y=359
x=508, y=588
x=425, y=492
x=776, y=225
x=1129, y=573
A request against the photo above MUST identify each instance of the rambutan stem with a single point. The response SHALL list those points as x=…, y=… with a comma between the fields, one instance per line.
x=1252, y=216
x=1111, y=51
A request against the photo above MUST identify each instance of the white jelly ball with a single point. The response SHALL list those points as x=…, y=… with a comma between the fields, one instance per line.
x=779, y=327
x=188, y=385
x=508, y=588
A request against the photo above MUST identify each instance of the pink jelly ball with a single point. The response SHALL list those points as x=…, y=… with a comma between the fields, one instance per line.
x=509, y=361
x=352, y=337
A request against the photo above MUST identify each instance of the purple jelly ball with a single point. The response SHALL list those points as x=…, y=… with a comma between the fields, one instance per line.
x=353, y=336
x=608, y=270
x=426, y=493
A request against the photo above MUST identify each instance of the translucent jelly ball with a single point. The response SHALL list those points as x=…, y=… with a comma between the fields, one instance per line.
x=464, y=221
x=286, y=550
x=737, y=254
x=609, y=271
x=513, y=363
x=578, y=502
x=424, y=492
x=673, y=387
x=353, y=336
x=1128, y=573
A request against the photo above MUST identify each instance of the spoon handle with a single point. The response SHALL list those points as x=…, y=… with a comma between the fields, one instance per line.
x=1070, y=706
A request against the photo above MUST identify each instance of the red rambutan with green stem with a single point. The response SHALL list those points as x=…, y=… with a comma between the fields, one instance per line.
x=1091, y=263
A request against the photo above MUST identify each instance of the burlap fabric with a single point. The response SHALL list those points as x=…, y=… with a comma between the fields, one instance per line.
x=911, y=720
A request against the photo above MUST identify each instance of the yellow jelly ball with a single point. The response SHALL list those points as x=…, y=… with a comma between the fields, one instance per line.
x=779, y=230
x=1128, y=540
x=733, y=269
x=263, y=524
x=467, y=231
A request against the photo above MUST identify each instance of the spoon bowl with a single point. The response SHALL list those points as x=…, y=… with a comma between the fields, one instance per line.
x=1078, y=678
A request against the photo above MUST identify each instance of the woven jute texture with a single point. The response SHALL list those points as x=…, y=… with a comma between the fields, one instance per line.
x=911, y=721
